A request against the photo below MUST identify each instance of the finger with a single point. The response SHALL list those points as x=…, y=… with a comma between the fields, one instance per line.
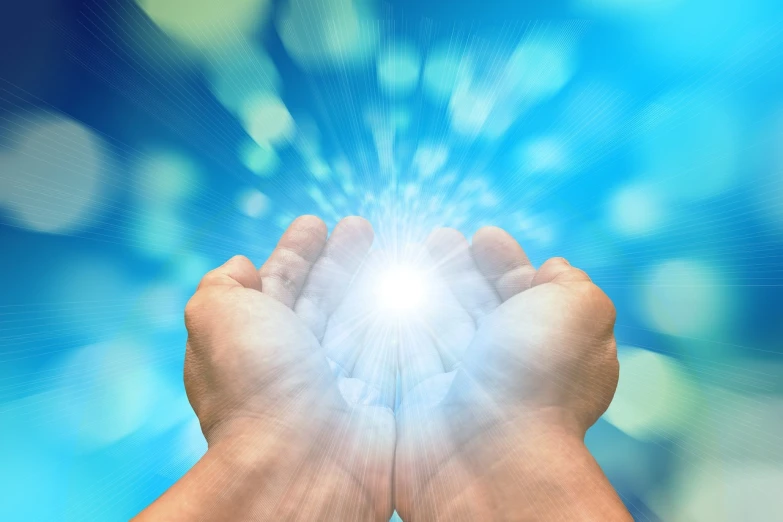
x=451, y=253
x=502, y=261
x=558, y=270
x=237, y=271
x=344, y=337
x=449, y=326
x=286, y=270
x=331, y=275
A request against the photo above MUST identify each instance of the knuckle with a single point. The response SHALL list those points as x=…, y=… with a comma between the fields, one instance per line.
x=194, y=309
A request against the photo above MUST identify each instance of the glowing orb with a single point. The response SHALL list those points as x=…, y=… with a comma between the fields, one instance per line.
x=401, y=289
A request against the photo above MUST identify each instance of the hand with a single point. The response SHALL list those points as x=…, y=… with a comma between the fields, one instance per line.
x=497, y=433
x=283, y=443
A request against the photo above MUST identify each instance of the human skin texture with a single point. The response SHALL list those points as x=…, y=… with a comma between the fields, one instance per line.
x=496, y=431
x=293, y=376
x=283, y=443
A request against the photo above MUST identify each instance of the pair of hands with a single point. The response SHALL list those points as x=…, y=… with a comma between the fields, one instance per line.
x=295, y=387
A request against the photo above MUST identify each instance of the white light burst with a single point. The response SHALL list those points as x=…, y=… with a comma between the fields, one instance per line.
x=401, y=290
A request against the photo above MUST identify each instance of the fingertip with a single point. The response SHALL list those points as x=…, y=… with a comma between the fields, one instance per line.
x=558, y=269
x=237, y=270
x=490, y=232
x=443, y=242
x=311, y=223
x=358, y=227
x=446, y=234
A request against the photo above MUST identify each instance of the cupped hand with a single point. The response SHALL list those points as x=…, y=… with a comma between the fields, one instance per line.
x=500, y=392
x=259, y=380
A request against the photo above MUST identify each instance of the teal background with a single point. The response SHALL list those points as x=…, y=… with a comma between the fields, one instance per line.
x=143, y=143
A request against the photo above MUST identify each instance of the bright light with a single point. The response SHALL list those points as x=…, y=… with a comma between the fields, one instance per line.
x=401, y=289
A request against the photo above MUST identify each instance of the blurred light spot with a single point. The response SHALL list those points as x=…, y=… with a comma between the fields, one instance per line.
x=727, y=491
x=260, y=158
x=319, y=169
x=654, y=398
x=685, y=297
x=166, y=177
x=52, y=179
x=429, y=159
x=690, y=141
x=284, y=219
x=254, y=203
x=206, y=25
x=188, y=268
x=104, y=393
x=320, y=34
x=636, y=209
x=544, y=155
x=158, y=232
x=470, y=108
x=737, y=425
x=241, y=75
x=538, y=69
x=171, y=407
x=267, y=120
x=443, y=69
x=398, y=69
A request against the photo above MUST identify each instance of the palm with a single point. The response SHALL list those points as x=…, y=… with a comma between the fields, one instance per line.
x=521, y=361
x=266, y=363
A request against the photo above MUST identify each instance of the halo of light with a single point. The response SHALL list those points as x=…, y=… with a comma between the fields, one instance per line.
x=684, y=297
x=319, y=34
x=401, y=289
x=260, y=158
x=267, y=119
x=254, y=203
x=654, y=396
x=53, y=181
x=205, y=25
x=398, y=69
x=637, y=209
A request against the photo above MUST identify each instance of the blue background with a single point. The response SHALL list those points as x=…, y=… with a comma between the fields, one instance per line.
x=642, y=140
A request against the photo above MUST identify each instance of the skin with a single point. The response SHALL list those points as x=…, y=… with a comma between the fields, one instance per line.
x=283, y=442
x=293, y=376
x=496, y=433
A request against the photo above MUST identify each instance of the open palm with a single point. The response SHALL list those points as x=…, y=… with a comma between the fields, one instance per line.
x=255, y=361
x=534, y=360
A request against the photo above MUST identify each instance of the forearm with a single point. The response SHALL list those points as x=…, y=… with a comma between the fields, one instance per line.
x=552, y=476
x=226, y=484
x=245, y=477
